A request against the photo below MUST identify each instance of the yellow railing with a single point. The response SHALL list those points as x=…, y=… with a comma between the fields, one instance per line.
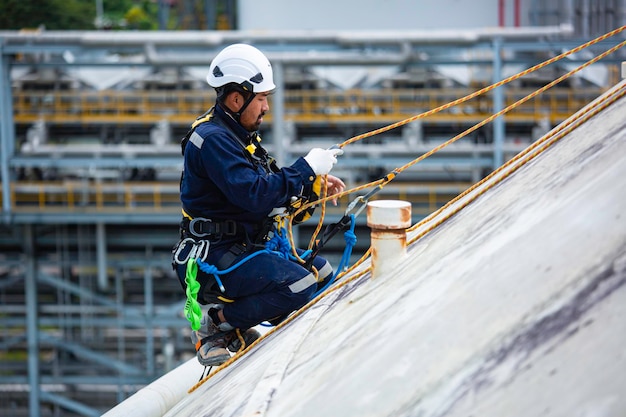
x=94, y=196
x=149, y=197
x=372, y=106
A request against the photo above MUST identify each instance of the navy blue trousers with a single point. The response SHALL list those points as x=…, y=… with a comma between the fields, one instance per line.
x=266, y=287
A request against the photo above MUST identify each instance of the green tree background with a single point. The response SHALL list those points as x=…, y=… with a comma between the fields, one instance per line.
x=53, y=14
x=117, y=14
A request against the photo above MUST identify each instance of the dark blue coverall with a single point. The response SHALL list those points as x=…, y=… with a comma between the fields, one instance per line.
x=222, y=181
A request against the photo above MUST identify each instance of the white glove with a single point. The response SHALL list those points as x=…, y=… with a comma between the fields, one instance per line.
x=321, y=160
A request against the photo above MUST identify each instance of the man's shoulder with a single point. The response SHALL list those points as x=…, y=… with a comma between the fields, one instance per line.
x=211, y=128
x=212, y=137
x=213, y=133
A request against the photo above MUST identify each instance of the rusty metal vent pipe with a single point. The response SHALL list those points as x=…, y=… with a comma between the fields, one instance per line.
x=388, y=221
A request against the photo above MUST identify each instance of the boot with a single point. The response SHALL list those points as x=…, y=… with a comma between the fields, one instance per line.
x=210, y=343
x=249, y=336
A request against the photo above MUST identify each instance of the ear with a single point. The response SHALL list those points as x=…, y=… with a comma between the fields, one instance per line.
x=234, y=101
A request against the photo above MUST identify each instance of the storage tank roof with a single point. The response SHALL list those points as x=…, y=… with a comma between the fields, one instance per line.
x=515, y=306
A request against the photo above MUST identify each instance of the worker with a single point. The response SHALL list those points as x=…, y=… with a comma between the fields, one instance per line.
x=232, y=193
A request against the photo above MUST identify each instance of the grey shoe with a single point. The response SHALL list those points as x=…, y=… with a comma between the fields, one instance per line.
x=249, y=336
x=210, y=343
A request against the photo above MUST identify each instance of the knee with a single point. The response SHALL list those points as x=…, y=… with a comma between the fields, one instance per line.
x=325, y=272
x=302, y=290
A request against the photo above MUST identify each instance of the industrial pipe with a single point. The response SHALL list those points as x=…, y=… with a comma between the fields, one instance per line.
x=160, y=396
x=388, y=220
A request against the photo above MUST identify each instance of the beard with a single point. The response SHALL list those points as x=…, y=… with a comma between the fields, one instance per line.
x=257, y=123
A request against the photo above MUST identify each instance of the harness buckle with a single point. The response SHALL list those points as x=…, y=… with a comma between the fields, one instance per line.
x=230, y=227
x=200, y=233
x=202, y=227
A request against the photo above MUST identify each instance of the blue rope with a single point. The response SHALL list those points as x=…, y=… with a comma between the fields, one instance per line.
x=350, y=238
x=279, y=245
x=212, y=269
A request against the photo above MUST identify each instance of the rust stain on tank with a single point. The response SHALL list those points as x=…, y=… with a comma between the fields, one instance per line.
x=389, y=234
x=404, y=220
x=405, y=215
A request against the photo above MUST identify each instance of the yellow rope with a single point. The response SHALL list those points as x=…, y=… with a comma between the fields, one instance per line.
x=381, y=182
x=483, y=90
x=279, y=326
x=322, y=214
x=242, y=341
x=541, y=145
x=511, y=107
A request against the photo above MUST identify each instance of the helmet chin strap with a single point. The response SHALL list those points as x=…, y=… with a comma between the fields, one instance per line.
x=221, y=97
x=237, y=115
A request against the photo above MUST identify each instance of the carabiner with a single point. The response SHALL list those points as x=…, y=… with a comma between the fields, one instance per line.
x=200, y=250
x=181, y=246
x=359, y=199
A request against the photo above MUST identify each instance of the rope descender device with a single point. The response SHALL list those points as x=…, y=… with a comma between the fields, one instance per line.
x=364, y=199
x=354, y=209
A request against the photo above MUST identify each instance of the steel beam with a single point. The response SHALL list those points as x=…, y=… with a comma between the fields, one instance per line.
x=149, y=312
x=498, y=104
x=101, y=255
x=7, y=133
x=91, y=356
x=68, y=404
x=31, y=322
x=278, y=118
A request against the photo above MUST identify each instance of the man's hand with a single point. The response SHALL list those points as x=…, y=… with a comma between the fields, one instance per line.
x=335, y=186
x=321, y=160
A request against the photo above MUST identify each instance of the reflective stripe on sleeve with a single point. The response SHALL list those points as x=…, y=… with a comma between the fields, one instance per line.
x=196, y=139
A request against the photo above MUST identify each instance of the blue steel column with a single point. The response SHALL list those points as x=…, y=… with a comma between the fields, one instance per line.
x=210, y=12
x=163, y=14
x=7, y=134
x=101, y=256
x=121, y=340
x=278, y=122
x=278, y=114
x=149, y=311
x=31, y=323
x=498, y=104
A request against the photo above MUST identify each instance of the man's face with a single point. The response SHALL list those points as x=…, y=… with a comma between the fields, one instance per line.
x=252, y=116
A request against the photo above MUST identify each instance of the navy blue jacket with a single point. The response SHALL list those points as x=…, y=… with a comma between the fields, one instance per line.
x=222, y=181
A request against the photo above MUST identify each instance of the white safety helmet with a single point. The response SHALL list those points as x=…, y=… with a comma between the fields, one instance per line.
x=243, y=65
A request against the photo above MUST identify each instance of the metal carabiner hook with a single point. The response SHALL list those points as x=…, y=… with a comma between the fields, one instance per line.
x=181, y=246
x=202, y=249
x=352, y=205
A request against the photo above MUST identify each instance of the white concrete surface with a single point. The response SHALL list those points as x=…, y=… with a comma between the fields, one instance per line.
x=514, y=307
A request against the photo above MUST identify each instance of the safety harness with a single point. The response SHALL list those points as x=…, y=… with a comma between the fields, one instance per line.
x=202, y=227
x=197, y=233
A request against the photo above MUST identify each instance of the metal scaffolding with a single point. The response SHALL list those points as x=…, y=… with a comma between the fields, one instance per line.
x=89, y=306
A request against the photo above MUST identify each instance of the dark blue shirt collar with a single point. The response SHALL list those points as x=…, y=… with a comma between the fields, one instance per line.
x=227, y=121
